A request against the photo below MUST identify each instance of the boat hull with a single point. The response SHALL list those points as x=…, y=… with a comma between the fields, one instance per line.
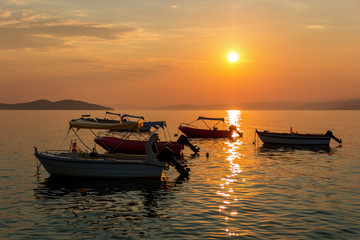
x=205, y=133
x=117, y=145
x=101, y=167
x=293, y=139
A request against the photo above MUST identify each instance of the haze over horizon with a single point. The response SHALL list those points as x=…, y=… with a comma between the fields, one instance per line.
x=167, y=53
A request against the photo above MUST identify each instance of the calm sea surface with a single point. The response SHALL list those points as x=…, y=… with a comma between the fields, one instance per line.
x=242, y=191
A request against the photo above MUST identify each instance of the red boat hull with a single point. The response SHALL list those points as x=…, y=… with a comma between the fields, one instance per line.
x=118, y=145
x=205, y=133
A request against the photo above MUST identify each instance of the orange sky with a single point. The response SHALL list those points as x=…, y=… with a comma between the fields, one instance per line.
x=157, y=53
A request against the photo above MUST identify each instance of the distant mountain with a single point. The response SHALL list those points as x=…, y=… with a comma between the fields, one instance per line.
x=48, y=105
x=242, y=106
x=352, y=104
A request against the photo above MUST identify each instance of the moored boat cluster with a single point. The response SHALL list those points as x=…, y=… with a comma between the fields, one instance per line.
x=133, y=149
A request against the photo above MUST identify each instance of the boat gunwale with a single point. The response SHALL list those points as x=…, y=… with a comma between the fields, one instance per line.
x=207, y=130
x=298, y=136
x=101, y=160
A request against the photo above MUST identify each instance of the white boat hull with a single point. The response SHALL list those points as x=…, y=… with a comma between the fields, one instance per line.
x=293, y=139
x=99, y=167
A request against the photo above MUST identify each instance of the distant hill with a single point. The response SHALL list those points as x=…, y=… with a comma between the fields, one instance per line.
x=48, y=105
x=352, y=104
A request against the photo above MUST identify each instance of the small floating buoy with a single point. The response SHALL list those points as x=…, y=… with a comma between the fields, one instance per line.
x=83, y=191
x=207, y=155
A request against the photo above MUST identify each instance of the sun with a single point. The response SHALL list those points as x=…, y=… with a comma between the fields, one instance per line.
x=233, y=57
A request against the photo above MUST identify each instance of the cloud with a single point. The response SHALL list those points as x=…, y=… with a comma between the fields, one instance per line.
x=298, y=5
x=136, y=66
x=26, y=29
x=320, y=27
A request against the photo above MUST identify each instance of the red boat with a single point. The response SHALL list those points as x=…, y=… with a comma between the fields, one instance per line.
x=118, y=145
x=205, y=133
x=212, y=132
x=133, y=142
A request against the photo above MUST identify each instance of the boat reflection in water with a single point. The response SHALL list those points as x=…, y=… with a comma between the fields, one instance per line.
x=229, y=206
x=53, y=186
x=272, y=148
x=118, y=206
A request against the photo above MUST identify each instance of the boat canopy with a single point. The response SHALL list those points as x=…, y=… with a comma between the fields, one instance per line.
x=85, y=124
x=117, y=114
x=156, y=125
x=216, y=119
x=133, y=116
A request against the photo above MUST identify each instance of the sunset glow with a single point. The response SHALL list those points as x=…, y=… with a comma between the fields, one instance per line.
x=70, y=50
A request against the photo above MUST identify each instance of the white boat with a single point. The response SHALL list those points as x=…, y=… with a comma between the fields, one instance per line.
x=294, y=138
x=77, y=163
x=89, y=123
x=83, y=164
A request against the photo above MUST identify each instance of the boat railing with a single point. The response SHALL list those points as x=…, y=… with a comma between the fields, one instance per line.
x=187, y=124
x=57, y=150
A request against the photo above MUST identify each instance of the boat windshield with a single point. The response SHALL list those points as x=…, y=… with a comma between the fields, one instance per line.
x=207, y=118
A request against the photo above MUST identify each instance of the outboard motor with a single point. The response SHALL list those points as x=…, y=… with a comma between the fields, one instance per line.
x=167, y=155
x=330, y=134
x=232, y=128
x=184, y=140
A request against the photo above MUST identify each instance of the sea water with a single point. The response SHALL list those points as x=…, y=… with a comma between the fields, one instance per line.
x=242, y=190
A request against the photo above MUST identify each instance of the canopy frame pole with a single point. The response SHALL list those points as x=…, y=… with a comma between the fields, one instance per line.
x=218, y=123
x=206, y=124
x=127, y=134
x=80, y=139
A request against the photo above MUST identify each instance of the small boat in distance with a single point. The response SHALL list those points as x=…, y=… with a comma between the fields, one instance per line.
x=294, y=138
x=192, y=131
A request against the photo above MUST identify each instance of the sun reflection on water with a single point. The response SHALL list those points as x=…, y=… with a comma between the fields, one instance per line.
x=233, y=117
x=233, y=155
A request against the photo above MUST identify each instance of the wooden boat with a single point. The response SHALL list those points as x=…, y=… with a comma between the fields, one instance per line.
x=294, y=138
x=211, y=132
x=77, y=163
